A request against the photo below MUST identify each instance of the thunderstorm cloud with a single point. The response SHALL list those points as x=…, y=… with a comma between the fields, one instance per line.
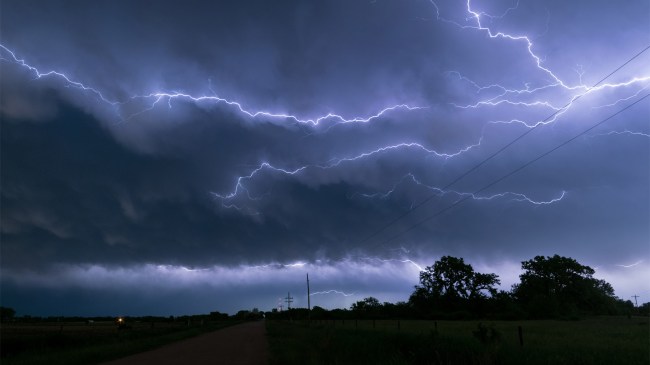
x=153, y=152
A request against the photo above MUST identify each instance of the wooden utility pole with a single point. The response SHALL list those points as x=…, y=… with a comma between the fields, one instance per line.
x=308, y=294
x=635, y=303
x=308, y=301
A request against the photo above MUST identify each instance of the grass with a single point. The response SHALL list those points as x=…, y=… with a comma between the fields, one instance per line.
x=607, y=340
x=78, y=343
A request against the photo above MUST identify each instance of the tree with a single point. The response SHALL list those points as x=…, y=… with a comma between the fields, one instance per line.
x=366, y=303
x=558, y=285
x=480, y=283
x=451, y=278
x=448, y=277
x=450, y=283
x=7, y=314
x=368, y=307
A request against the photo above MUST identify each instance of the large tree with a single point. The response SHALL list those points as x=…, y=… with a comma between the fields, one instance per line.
x=556, y=285
x=367, y=304
x=450, y=282
x=367, y=308
x=451, y=277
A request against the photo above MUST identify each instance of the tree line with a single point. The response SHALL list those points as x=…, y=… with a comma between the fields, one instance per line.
x=549, y=287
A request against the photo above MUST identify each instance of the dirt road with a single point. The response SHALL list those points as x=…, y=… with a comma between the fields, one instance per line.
x=243, y=344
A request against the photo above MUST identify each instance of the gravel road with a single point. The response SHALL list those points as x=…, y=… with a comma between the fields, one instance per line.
x=243, y=344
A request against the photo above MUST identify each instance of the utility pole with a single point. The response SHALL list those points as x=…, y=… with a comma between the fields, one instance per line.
x=308, y=301
x=635, y=303
x=289, y=300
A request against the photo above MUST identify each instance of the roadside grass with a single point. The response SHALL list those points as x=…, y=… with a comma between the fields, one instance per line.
x=78, y=344
x=606, y=340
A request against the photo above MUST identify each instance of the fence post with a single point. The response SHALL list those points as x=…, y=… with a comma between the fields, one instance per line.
x=521, y=336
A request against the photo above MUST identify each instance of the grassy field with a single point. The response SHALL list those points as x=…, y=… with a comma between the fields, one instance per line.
x=606, y=340
x=81, y=343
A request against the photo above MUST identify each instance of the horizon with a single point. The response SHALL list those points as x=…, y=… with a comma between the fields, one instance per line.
x=298, y=294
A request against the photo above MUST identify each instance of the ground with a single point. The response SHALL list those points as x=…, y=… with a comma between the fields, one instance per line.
x=243, y=344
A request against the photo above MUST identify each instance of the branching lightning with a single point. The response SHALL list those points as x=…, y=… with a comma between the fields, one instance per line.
x=526, y=97
x=512, y=196
x=240, y=187
x=154, y=98
x=615, y=103
x=553, y=95
x=53, y=74
x=512, y=96
x=623, y=133
x=277, y=266
x=337, y=118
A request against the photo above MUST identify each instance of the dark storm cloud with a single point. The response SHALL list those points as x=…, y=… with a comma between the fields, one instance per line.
x=76, y=195
x=87, y=184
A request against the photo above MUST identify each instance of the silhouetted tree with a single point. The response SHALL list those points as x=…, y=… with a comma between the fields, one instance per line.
x=7, y=314
x=365, y=304
x=480, y=283
x=452, y=284
x=216, y=315
x=319, y=313
x=557, y=285
x=504, y=306
x=247, y=315
x=396, y=310
x=368, y=307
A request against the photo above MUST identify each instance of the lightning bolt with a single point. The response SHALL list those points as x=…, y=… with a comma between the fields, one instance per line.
x=241, y=189
x=276, y=266
x=512, y=96
x=519, y=197
x=559, y=111
x=505, y=96
x=404, y=261
x=51, y=74
x=622, y=133
x=622, y=99
x=337, y=118
x=332, y=291
x=383, y=260
x=631, y=265
x=475, y=16
x=154, y=98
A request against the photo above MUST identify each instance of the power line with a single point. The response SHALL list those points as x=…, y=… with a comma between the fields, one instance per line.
x=441, y=211
x=475, y=167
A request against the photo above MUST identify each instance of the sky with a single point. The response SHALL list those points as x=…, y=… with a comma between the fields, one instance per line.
x=166, y=158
